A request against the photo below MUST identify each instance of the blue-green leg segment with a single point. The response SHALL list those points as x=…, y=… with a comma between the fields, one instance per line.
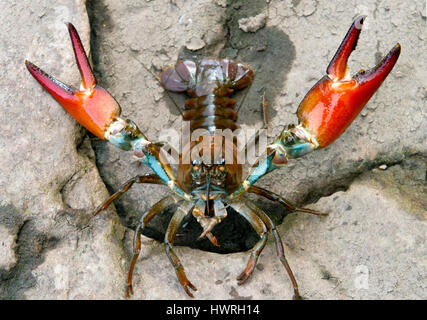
x=126, y=135
x=293, y=142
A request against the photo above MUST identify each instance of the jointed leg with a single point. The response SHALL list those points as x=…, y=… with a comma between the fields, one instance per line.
x=279, y=199
x=261, y=229
x=148, y=178
x=173, y=227
x=279, y=244
x=136, y=251
x=156, y=209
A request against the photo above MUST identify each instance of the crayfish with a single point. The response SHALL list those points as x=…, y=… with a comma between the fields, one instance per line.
x=206, y=186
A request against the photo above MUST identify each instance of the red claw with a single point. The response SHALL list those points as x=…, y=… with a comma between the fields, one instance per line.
x=92, y=106
x=336, y=100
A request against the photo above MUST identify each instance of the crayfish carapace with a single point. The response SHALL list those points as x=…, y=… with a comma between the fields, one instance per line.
x=206, y=188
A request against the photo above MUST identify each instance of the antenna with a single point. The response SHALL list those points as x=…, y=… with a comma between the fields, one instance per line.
x=158, y=80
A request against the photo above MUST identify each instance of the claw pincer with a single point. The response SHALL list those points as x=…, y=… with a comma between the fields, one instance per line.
x=327, y=109
x=334, y=101
x=92, y=106
x=95, y=109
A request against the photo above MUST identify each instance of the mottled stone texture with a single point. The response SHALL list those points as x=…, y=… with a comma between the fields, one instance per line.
x=53, y=174
x=50, y=246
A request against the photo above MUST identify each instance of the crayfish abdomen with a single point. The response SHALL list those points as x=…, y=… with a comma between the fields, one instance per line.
x=210, y=83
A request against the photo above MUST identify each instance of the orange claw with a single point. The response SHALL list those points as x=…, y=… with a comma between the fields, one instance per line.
x=336, y=100
x=92, y=106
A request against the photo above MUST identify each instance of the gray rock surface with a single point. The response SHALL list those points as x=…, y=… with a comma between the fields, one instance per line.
x=253, y=24
x=371, y=246
x=50, y=246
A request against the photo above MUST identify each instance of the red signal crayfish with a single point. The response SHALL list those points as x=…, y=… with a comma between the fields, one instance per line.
x=204, y=188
